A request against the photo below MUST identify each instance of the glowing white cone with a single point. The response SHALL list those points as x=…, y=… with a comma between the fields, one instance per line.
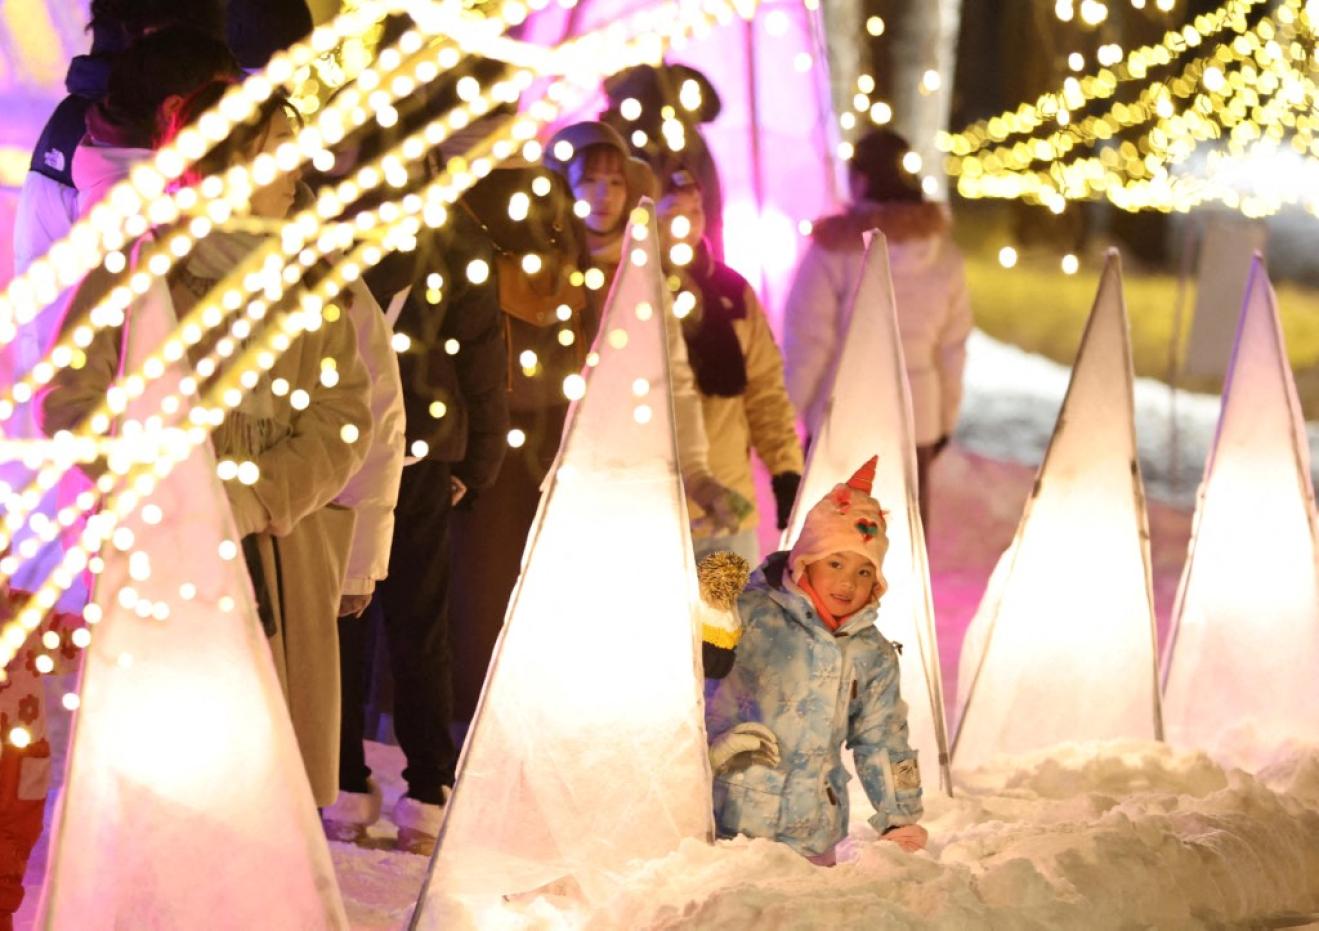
x=1063, y=644
x=588, y=748
x=186, y=804
x=1244, y=649
x=869, y=413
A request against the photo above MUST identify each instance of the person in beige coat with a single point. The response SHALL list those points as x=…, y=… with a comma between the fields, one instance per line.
x=929, y=286
x=739, y=373
x=292, y=426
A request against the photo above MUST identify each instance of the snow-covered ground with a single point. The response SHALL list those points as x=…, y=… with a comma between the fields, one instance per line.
x=1115, y=835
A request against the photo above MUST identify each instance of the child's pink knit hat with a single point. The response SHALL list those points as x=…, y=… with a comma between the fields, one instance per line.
x=847, y=520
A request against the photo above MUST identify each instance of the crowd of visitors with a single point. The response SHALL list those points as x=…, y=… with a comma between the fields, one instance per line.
x=391, y=560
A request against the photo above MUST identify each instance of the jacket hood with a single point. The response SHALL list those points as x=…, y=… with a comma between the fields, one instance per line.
x=98, y=168
x=771, y=580
x=640, y=179
x=901, y=224
x=88, y=76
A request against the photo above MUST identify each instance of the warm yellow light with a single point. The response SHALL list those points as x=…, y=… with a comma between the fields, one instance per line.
x=1093, y=12
x=574, y=387
x=1070, y=264
x=478, y=271
x=1007, y=257
x=875, y=26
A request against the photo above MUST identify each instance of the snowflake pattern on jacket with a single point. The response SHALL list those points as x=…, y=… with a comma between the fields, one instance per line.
x=816, y=690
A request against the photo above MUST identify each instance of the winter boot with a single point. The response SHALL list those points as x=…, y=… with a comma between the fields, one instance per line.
x=352, y=813
x=419, y=824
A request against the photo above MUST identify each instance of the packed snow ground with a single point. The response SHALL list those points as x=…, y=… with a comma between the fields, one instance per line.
x=1126, y=834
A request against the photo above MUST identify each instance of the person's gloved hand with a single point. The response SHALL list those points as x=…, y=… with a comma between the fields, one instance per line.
x=743, y=745
x=910, y=837
x=725, y=507
x=785, y=486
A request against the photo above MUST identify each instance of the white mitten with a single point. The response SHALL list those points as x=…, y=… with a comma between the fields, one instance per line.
x=756, y=741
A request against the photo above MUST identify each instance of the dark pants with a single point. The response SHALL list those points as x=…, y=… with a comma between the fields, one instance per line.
x=411, y=606
x=489, y=541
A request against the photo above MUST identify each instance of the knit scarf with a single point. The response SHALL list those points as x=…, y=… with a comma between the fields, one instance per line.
x=817, y=601
x=252, y=427
x=713, y=349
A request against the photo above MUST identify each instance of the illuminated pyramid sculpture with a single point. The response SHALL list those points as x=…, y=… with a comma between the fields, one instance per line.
x=1063, y=644
x=186, y=804
x=1244, y=648
x=588, y=746
x=869, y=412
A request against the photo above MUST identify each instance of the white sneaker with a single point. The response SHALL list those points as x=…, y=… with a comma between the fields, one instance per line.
x=352, y=813
x=419, y=824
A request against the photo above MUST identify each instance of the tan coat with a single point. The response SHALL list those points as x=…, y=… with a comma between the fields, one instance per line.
x=762, y=418
x=303, y=539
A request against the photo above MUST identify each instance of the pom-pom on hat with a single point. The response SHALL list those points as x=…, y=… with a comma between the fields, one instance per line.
x=846, y=520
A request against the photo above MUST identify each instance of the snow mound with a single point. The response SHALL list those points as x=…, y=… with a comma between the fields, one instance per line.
x=1094, y=835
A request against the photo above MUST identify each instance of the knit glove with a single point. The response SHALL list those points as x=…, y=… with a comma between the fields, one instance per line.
x=725, y=507
x=785, y=486
x=743, y=745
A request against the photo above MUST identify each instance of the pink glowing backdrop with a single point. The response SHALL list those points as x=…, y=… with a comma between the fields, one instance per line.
x=774, y=139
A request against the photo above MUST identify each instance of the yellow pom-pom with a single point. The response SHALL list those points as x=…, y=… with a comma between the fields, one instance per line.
x=723, y=576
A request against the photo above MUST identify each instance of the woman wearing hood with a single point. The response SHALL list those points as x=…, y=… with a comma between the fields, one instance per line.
x=929, y=285
x=603, y=175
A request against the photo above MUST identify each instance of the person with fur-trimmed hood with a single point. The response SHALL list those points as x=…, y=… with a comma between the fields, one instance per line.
x=929, y=285
x=811, y=673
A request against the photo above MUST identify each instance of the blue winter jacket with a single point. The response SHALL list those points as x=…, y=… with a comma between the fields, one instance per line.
x=814, y=689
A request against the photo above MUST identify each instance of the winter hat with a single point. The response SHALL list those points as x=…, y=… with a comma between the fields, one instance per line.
x=572, y=139
x=722, y=577
x=847, y=520
x=257, y=29
x=878, y=157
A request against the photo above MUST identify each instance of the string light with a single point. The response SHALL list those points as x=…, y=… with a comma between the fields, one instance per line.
x=1254, y=94
x=308, y=236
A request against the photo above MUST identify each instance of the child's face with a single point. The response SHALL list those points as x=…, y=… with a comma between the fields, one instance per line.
x=845, y=582
x=601, y=183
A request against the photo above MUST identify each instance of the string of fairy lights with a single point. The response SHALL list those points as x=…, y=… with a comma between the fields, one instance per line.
x=1251, y=95
x=1249, y=85
x=140, y=453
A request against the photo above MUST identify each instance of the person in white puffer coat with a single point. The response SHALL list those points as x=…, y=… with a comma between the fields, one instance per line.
x=929, y=285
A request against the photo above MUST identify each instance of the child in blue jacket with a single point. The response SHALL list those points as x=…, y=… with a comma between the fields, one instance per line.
x=812, y=673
